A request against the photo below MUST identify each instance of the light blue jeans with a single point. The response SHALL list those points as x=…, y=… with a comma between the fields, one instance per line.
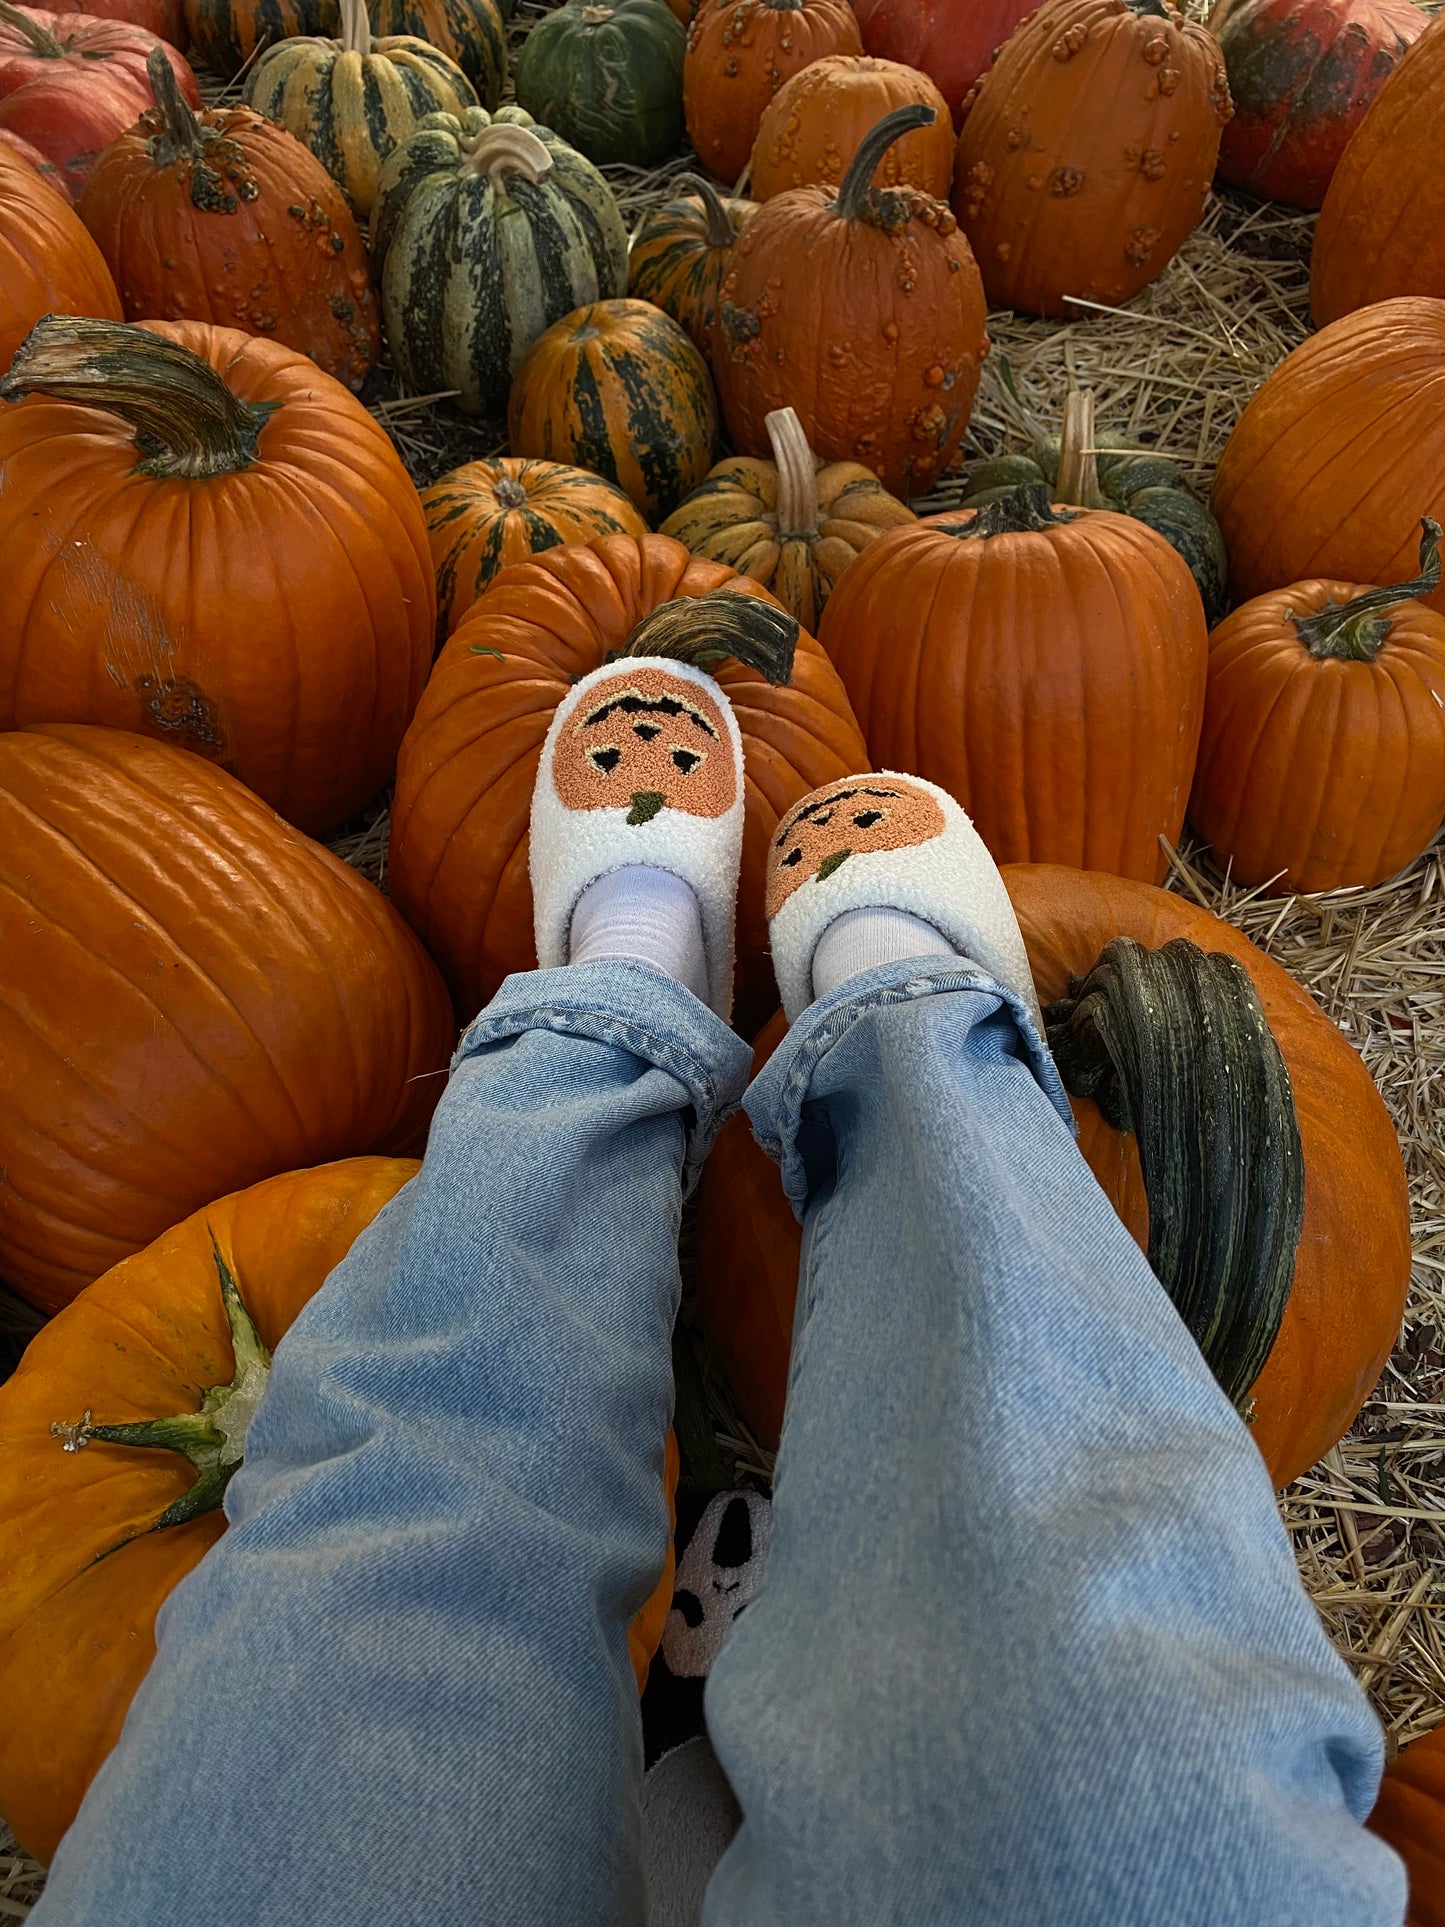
x=1031, y=1650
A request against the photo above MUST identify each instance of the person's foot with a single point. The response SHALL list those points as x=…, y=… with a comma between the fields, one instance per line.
x=879, y=868
x=637, y=825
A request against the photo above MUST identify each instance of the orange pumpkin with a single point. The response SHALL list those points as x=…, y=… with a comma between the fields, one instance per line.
x=1046, y=666
x=861, y=309
x=1381, y=231
x=206, y=539
x=1087, y=151
x=1353, y=1263
x=739, y=53
x=87, y=1571
x=48, y=263
x=1322, y=759
x=194, y=997
x=681, y=252
x=1410, y=1815
x=813, y=126
x=458, y=865
x=1339, y=454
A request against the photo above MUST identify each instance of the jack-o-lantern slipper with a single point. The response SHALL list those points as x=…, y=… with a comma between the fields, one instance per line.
x=887, y=841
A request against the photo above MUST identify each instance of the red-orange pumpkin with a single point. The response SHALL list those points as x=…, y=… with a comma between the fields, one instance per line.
x=814, y=124
x=48, y=263
x=1410, y=1814
x=166, y=19
x=43, y=166
x=739, y=53
x=952, y=41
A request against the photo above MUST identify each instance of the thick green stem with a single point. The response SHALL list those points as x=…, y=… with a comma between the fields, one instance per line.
x=707, y=630
x=857, y=183
x=719, y=232
x=1357, y=630
x=42, y=44
x=181, y=134
x=1023, y=511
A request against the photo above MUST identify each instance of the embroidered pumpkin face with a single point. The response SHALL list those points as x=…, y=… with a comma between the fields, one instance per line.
x=854, y=818
x=646, y=742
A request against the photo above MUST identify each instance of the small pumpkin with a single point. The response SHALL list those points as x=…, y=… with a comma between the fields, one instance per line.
x=739, y=53
x=226, y=33
x=487, y=229
x=812, y=127
x=225, y=217
x=1339, y=454
x=794, y=524
x=607, y=74
x=1352, y=1267
x=1381, y=231
x=458, y=863
x=1410, y=1815
x=618, y=388
x=166, y=19
x=353, y=100
x=233, y=560
x=48, y=261
x=486, y=515
x=1084, y=469
x=861, y=308
x=1301, y=74
x=952, y=41
x=1087, y=151
x=473, y=33
x=680, y=254
x=195, y=997
x=1045, y=666
x=1322, y=759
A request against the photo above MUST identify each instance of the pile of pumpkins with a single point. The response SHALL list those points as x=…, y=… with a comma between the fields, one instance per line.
x=230, y=620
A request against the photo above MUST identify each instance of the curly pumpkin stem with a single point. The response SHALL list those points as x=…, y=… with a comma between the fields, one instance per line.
x=503, y=149
x=1357, y=630
x=852, y=202
x=706, y=630
x=187, y=422
x=797, y=509
x=355, y=28
x=718, y=232
x=1078, y=481
x=1023, y=511
x=213, y=1438
x=181, y=133
x=42, y=44
x=1174, y=1045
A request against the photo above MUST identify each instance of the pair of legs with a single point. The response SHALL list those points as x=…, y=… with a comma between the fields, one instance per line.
x=1031, y=1648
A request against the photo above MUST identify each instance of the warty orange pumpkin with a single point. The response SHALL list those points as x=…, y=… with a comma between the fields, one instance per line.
x=739, y=53
x=234, y=559
x=48, y=262
x=1410, y=1815
x=195, y=997
x=812, y=127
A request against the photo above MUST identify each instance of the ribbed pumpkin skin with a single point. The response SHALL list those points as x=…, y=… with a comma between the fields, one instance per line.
x=811, y=128
x=225, y=33
x=164, y=18
x=1410, y=1814
x=458, y=865
x=1381, y=231
x=77, y=1619
x=48, y=262
x=1302, y=73
x=294, y=656
x=739, y=53
x=1052, y=680
x=608, y=77
x=1339, y=454
x=475, y=531
x=678, y=260
x=474, y=266
x=952, y=41
x=1331, y=772
x=352, y=109
x=472, y=32
x=196, y=997
x=619, y=389
x=1354, y=1256
x=1087, y=152
x=249, y=232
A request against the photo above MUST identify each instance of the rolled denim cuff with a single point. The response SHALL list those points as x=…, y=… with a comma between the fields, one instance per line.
x=777, y=1095
x=639, y=1010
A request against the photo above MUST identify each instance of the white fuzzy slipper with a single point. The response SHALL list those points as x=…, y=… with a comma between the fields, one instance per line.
x=894, y=841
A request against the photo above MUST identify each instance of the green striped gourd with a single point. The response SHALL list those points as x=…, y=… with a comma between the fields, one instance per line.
x=608, y=77
x=486, y=230
x=225, y=33
x=352, y=100
x=471, y=32
x=680, y=254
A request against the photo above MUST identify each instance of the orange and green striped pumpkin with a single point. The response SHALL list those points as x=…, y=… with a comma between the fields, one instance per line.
x=486, y=515
x=225, y=33
x=680, y=255
x=471, y=32
x=618, y=388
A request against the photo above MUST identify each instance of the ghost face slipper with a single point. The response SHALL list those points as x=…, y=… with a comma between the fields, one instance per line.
x=895, y=842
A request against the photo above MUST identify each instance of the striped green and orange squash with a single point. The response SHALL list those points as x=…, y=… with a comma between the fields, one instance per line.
x=472, y=32
x=680, y=254
x=225, y=33
x=486, y=230
x=617, y=387
x=486, y=515
x=608, y=77
x=352, y=100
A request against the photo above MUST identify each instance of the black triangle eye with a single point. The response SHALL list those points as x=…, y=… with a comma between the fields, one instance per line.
x=605, y=760
x=795, y=855
x=865, y=819
x=687, y=760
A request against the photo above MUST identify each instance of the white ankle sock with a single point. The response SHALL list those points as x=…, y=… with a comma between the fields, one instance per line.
x=649, y=915
x=862, y=939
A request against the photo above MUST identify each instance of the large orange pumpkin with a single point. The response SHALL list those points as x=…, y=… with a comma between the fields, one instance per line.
x=87, y=1571
x=458, y=866
x=1353, y=1264
x=194, y=997
x=1339, y=454
x=1045, y=665
x=813, y=125
x=1381, y=231
x=1410, y=1814
x=739, y=53
x=48, y=263
x=206, y=539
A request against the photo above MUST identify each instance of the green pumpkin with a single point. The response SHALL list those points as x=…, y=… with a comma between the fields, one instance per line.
x=608, y=78
x=487, y=229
